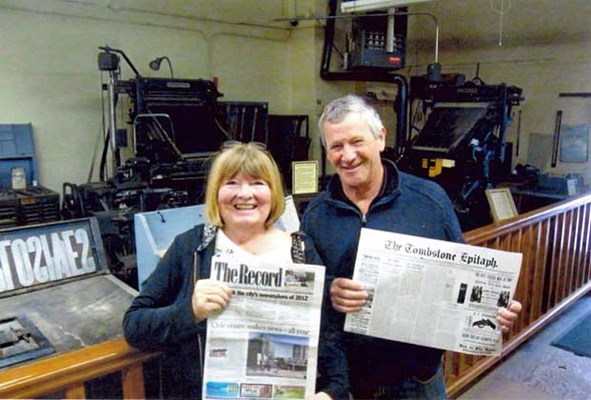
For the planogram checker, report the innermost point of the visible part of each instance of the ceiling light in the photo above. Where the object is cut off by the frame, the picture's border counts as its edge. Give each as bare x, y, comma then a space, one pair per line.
371, 5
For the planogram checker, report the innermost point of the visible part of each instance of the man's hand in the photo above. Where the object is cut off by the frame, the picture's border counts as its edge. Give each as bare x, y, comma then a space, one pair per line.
347, 295
209, 296
507, 317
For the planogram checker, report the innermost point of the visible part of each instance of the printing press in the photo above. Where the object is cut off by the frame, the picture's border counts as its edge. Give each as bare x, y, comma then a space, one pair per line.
57, 296
173, 128
461, 141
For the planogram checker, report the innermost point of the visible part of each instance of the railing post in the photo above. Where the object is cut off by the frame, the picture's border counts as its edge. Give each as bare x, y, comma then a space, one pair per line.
75, 391
133, 382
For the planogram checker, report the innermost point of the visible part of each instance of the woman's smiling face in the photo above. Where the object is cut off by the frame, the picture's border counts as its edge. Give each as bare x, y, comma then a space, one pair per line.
244, 201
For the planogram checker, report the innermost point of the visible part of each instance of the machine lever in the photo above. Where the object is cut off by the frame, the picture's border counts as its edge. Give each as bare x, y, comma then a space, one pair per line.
556, 138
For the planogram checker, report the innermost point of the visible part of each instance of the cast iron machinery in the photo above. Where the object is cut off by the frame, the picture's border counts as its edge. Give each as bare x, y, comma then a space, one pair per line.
172, 131
458, 139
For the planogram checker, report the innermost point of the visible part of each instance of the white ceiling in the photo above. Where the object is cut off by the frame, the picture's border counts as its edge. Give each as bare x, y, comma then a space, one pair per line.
524, 22
466, 23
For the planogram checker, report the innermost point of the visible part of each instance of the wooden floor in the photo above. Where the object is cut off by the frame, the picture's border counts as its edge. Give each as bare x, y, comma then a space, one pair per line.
538, 370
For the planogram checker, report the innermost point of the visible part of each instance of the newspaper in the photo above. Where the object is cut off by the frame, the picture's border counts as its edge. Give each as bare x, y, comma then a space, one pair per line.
433, 293
265, 343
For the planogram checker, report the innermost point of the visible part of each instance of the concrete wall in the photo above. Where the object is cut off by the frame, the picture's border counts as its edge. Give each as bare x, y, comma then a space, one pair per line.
50, 76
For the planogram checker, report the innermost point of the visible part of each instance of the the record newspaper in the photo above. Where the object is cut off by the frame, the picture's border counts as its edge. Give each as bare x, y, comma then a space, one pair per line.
433, 293
265, 343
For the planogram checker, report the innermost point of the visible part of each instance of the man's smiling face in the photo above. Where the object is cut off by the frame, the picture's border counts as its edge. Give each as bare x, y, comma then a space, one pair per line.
354, 151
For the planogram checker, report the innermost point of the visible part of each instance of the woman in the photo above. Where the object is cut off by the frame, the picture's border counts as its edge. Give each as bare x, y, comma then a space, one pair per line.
244, 198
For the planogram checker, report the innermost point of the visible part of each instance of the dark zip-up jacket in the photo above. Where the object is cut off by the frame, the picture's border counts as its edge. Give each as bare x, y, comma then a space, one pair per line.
406, 204
161, 318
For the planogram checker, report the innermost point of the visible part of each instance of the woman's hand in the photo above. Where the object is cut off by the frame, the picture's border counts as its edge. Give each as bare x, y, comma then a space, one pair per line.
209, 296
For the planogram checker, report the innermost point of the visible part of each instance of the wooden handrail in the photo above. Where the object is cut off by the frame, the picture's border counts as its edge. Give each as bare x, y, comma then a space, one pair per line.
483, 234
70, 370
556, 271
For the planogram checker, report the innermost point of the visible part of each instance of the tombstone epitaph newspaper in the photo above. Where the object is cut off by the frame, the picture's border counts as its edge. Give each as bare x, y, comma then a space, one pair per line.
433, 293
265, 343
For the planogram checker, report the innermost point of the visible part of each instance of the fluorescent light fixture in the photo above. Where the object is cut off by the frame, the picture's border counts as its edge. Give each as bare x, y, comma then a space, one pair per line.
371, 5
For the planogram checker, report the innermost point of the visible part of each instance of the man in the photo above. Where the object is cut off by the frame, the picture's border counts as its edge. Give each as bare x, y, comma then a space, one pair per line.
260, 361
368, 191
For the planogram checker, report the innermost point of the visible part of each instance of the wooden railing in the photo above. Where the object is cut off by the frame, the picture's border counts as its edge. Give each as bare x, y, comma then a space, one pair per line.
67, 372
556, 271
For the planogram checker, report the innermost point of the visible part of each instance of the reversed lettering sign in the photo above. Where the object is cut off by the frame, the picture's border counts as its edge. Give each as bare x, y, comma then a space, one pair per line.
30, 257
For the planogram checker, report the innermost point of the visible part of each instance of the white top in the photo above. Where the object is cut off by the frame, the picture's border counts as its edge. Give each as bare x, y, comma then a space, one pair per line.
280, 254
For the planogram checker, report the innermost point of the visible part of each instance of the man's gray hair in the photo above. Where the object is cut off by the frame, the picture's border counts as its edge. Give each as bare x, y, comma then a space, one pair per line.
338, 109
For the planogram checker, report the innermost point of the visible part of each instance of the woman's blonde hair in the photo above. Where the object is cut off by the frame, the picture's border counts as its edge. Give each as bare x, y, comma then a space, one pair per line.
250, 159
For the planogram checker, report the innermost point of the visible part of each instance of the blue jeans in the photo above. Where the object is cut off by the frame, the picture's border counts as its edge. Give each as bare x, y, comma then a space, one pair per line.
413, 388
